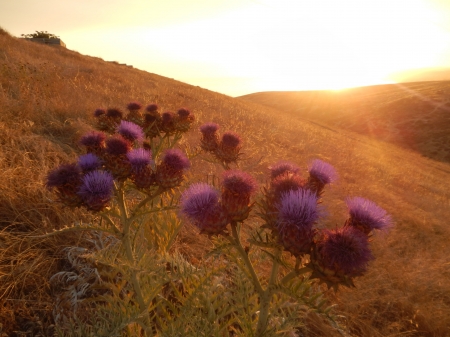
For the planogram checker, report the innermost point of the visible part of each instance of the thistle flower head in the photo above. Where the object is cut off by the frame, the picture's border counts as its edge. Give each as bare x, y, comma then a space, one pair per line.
167, 117
114, 113
345, 250
93, 139
238, 182
183, 113
89, 162
96, 189
366, 215
117, 145
99, 112
134, 106
231, 139
198, 200
151, 107
209, 129
322, 171
286, 182
130, 131
176, 160
281, 168
298, 208
66, 174
139, 158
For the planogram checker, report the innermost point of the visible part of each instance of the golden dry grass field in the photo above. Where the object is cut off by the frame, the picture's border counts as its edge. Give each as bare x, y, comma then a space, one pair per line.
413, 115
47, 98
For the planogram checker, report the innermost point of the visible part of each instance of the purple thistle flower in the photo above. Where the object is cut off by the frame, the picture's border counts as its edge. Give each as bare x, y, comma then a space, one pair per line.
130, 131
139, 158
209, 129
114, 113
183, 113
345, 250
93, 139
367, 216
64, 175
231, 139
89, 162
198, 200
117, 145
151, 107
281, 168
200, 204
99, 112
322, 171
238, 182
176, 160
134, 106
298, 208
96, 189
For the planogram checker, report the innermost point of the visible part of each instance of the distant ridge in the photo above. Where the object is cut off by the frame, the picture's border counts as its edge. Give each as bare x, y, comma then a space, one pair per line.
413, 115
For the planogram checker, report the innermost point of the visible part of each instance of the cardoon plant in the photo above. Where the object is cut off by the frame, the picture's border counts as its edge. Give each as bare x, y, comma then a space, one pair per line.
130, 180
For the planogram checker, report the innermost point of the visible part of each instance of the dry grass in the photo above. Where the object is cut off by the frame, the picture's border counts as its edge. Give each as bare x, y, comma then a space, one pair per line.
413, 115
47, 96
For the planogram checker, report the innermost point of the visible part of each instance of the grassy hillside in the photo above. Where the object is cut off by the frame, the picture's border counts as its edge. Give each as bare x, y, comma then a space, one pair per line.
47, 98
412, 115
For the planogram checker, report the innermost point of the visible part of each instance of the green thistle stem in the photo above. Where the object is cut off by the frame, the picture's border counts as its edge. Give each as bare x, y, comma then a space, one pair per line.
266, 297
126, 223
244, 255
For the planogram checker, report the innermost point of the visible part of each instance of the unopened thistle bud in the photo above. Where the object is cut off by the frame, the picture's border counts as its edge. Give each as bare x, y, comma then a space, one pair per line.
66, 179
89, 162
210, 139
367, 216
130, 131
135, 115
96, 190
237, 188
141, 170
297, 213
168, 122
229, 147
151, 108
320, 174
339, 255
170, 172
200, 204
116, 160
133, 106
284, 183
282, 167
183, 120
99, 112
109, 121
152, 123
94, 142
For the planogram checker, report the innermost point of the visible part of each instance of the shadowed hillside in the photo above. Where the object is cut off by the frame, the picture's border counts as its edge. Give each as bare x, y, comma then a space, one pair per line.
47, 98
412, 115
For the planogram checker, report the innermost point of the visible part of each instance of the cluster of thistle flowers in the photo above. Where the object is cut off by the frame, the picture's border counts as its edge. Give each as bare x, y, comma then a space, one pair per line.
290, 209
151, 120
89, 182
226, 149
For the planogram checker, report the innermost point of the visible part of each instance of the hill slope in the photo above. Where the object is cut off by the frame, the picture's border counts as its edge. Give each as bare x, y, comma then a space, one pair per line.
412, 115
47, 97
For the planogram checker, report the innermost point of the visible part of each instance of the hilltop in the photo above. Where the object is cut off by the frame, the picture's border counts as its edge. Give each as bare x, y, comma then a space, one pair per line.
412, 115
47, 99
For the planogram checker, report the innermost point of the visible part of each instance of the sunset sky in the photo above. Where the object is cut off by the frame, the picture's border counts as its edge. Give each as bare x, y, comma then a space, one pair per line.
238, 47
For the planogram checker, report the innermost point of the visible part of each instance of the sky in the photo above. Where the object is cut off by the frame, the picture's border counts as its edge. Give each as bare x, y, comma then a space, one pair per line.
238, 47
